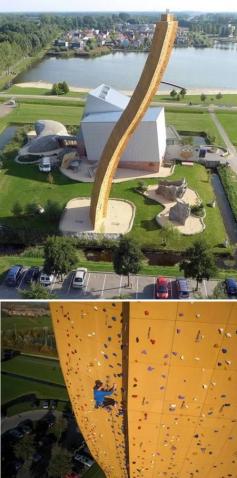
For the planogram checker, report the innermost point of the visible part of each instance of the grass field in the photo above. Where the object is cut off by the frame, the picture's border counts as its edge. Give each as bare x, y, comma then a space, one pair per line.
18, 90
229, 123
13, 387
24, 323
33, 186
41, 368
26, 184
227, 100
29, 113
194, 121
94, 472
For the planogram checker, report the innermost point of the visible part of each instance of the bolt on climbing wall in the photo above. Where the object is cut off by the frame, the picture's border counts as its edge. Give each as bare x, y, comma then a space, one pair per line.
89, 342
182, 390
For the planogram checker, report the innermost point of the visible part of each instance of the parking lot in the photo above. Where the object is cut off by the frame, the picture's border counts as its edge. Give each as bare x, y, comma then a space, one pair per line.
102, 286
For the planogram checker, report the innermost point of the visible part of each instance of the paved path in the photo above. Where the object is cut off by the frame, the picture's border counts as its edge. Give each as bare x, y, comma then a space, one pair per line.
232, 158
11, 422
226, 212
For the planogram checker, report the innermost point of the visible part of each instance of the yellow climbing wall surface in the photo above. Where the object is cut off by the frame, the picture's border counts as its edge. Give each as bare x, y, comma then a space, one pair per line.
175, 366
89, 341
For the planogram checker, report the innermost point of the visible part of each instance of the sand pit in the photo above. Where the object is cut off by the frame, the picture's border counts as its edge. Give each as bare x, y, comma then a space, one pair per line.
193, 225
76, 220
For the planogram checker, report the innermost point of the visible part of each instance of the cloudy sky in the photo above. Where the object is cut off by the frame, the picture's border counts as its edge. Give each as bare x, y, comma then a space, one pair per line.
117, 5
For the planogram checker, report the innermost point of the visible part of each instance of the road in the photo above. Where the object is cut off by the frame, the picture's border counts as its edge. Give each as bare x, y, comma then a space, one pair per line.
108, 286
232, 158
11, 422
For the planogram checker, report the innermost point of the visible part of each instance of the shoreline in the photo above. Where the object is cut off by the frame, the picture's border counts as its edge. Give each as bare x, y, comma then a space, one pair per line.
78, 89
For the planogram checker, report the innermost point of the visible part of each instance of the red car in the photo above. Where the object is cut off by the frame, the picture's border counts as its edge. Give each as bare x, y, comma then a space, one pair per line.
162, 288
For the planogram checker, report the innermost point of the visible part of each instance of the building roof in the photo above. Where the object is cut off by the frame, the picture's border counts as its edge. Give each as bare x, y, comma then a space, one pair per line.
112, 117
110, 95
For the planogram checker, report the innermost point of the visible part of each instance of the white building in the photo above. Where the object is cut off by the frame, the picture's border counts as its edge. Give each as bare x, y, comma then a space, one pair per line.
146, 149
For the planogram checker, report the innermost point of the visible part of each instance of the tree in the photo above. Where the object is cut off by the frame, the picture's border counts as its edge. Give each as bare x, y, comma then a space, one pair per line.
37, 291
173, 94
59, 255
55, 89
53, 210
219, 96
17, 209
203, 97
127, 258
31, 209
60, 463
183, 92
199, 263
25, 447
65, 87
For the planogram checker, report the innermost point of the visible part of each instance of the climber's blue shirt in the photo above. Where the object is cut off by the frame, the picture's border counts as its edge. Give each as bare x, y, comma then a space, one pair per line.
99, 396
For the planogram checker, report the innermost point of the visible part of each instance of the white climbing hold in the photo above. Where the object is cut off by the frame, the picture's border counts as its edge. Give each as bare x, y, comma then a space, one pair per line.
196, 358
204, 385
220, 330
181, 357
228, 334
172, 406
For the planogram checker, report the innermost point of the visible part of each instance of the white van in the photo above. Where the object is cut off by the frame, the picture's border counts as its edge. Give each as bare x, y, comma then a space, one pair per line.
45, 165
79, 278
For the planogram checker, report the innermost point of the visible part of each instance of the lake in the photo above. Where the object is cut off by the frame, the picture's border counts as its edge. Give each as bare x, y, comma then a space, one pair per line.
189, 67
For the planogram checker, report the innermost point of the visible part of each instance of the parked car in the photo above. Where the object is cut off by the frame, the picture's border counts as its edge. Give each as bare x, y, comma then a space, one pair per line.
26, 426
45, 165
45, 404
162, 288
32, 275
46, 279
231, 286
16, 433
79, 278
14, 275
182, 288
83, 459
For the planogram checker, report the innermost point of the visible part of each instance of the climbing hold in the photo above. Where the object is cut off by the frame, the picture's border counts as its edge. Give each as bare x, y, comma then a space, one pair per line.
228, 362
204, 386
150, 369
224, 351
220, 330
152, 341
196, 358
146, 312
172, 407
144, 352
181, 357
228, 335
137, 339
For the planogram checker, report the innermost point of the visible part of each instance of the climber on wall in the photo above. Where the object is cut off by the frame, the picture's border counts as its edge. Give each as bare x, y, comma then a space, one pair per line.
101, 396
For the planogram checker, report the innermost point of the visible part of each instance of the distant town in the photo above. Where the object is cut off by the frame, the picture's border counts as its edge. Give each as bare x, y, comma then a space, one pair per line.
95, 36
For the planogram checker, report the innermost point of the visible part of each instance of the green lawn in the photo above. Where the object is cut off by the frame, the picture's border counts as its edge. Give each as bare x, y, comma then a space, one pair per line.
29, 113
41, 368
229, 123
94, 472
19, 90
13, 387
25, 183
194, 121
25, 323
227, 100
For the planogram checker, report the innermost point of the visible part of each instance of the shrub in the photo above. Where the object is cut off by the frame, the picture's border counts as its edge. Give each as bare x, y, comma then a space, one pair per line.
229, 182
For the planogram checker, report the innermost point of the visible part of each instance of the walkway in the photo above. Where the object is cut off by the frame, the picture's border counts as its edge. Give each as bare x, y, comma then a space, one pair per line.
34, 415
232, 158
226, 212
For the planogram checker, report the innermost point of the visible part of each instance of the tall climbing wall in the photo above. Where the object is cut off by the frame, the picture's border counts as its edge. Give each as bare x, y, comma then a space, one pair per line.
89, 342
175, 366
182, 390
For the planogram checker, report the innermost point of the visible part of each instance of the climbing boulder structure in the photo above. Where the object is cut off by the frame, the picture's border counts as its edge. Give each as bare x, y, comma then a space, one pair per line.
175, 368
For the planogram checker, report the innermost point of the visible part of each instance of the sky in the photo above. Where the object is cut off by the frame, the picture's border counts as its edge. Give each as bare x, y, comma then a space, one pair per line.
116, 5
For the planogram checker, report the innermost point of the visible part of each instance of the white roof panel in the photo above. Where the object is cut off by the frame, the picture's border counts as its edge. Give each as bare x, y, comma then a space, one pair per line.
112, 117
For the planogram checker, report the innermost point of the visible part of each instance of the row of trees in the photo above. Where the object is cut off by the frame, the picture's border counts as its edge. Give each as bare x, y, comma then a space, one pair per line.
20, 38
60, 257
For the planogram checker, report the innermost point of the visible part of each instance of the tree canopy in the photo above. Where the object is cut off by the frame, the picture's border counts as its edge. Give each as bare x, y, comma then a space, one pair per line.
127, 258
199, 263
59, 255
